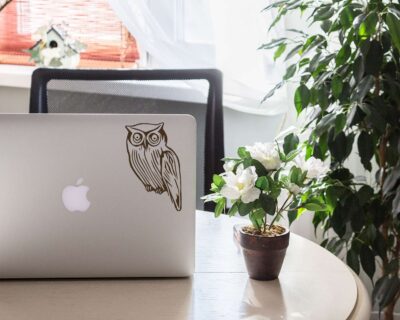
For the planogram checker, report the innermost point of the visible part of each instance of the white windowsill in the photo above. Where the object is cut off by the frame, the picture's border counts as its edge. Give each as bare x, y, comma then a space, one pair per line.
20, 77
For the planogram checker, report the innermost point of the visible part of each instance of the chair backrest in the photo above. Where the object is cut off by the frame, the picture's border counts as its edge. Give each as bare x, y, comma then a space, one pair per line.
210, 150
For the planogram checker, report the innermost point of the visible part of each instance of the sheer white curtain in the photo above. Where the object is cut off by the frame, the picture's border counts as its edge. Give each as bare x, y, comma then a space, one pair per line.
209, 34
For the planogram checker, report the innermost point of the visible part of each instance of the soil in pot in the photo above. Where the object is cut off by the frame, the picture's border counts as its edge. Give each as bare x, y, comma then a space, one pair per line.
263, 253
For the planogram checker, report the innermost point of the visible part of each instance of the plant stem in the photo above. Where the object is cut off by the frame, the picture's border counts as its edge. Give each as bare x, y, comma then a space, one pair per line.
265, 223
278, 214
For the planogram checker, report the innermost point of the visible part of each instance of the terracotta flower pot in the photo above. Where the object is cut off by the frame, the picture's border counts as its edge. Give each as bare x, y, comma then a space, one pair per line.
263, 255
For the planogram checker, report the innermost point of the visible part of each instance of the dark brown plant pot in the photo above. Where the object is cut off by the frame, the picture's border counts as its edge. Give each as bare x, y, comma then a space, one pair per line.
263, 255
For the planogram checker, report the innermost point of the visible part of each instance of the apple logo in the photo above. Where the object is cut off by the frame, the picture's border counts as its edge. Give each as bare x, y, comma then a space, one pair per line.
74, 198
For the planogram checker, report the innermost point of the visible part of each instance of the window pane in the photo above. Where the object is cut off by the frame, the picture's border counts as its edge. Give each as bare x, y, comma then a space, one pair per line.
93, 22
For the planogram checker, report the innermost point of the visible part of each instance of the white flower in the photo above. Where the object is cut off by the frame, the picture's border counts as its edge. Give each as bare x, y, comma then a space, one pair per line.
229, 165
241, 185
293, 188
49, 54
315, 168
266, 153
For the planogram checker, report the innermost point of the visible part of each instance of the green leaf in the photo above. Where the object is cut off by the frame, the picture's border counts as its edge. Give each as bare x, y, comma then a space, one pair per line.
352, 260
296, 176
312, 42
385, 290
355, 116
218, 181
343, 54
368, 26
323, 97
268, 203
358, 68
393, 24
314, 206
262, 183
273, 43
290, 71
272, 91
324, 13
374, 58
260, 169
337, 222
379, 245
325, 123
278, 17
340, 146
346, 17
233, 210
366, 148
391, 180
290, 143
367, 258
292, 216
370, 233
245, 208
340, 123
326, 25
278, 52
243, 153
358, 20
364, 87
295, 50
220, 206
337, 86
301, 98
291, 155
335, 246
365, 194
341, 174
257, 218
333, 194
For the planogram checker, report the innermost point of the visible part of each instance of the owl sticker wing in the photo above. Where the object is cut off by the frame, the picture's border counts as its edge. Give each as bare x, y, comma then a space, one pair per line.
171, 175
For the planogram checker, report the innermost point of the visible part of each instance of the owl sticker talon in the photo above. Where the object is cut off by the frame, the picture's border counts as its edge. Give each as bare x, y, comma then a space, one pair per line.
153, 162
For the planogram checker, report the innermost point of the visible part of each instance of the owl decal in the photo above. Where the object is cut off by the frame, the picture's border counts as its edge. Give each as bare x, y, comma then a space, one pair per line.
153, 162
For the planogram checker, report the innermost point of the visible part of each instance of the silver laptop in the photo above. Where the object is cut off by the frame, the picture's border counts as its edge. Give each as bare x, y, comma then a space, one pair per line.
97, 195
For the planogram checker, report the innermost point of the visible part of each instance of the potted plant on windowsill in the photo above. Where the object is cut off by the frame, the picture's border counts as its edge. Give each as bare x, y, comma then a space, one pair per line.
253, 184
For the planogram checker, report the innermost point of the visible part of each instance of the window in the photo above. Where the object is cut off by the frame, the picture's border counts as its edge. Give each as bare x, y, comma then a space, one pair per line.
93, 22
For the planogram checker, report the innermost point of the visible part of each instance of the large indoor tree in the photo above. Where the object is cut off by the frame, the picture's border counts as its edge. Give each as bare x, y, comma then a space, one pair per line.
348, 86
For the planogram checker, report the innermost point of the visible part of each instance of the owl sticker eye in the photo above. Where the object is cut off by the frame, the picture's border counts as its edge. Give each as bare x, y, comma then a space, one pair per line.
153, 138
137, 138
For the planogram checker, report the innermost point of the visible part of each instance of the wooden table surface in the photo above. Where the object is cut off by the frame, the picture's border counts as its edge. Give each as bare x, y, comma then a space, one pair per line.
313, 284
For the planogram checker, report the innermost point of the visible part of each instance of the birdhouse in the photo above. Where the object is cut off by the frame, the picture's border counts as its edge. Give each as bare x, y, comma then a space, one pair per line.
54, 40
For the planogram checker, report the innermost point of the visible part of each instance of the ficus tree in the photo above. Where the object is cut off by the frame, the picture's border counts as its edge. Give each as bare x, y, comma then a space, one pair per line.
348, 86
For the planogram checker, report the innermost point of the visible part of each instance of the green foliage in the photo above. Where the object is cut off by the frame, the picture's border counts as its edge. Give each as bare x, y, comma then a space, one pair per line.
349, 76
251, 188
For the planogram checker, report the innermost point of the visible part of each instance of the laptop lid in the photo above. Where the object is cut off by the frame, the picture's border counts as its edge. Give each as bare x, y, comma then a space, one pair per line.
97, 195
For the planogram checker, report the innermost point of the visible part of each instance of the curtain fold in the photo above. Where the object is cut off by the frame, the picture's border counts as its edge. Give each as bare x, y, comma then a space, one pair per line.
209, 34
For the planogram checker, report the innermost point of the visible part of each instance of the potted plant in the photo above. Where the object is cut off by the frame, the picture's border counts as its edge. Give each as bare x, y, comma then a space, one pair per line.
251, 186
348, 73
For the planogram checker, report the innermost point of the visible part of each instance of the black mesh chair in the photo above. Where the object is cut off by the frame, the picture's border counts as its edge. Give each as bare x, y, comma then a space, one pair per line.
117, 91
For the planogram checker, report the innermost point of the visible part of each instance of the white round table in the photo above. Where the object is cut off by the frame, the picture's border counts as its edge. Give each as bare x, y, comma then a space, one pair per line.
313, 284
